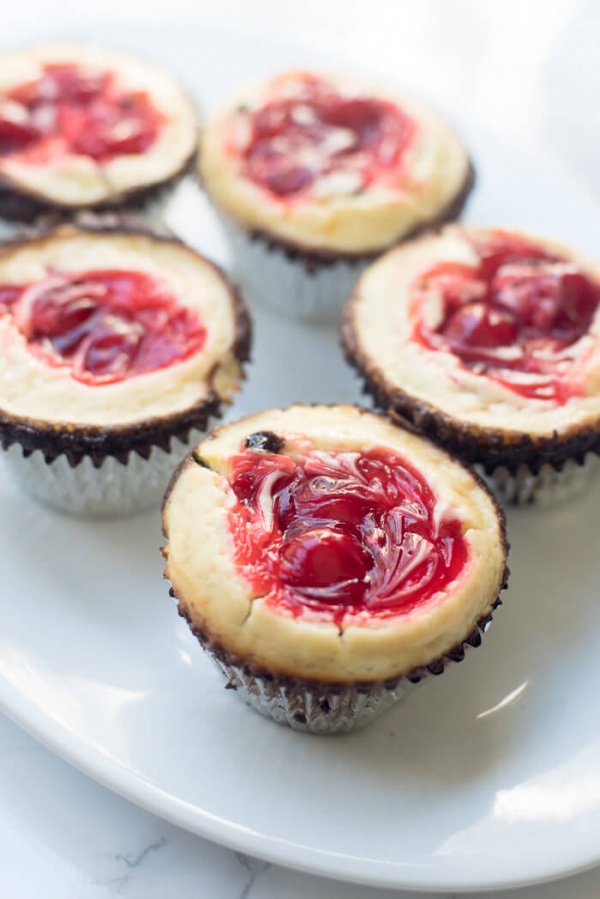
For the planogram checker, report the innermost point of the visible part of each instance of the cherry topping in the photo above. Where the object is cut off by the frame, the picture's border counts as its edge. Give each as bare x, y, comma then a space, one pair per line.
105, 325
294, 140
517, 312
72, 109
345, 534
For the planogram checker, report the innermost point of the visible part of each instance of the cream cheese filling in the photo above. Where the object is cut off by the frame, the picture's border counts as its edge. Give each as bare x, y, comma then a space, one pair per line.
383, 325
76, 180
210, 588
31, 389
333, 216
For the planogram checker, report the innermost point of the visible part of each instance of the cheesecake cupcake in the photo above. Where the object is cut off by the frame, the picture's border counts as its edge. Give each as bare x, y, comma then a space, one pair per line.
487, 341
328, 560
83, 127
315, 174
119, 347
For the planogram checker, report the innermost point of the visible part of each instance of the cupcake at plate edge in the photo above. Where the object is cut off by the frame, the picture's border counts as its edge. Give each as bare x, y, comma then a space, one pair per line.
487, 341
315, 174
327, 560
82, 127
120, 348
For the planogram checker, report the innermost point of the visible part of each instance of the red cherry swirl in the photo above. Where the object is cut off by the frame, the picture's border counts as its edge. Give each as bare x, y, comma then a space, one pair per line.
104, 325
295, 140
345, 534
72, 109
515, 317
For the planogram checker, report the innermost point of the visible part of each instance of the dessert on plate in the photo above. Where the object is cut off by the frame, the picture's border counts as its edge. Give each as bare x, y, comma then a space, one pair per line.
118, 347
315, 174
83, 127
487, 341
327, 559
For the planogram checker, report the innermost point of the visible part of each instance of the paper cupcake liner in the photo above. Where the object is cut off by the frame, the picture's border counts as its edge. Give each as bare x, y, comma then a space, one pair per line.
548, 486
292, 284
113, 488
325, 708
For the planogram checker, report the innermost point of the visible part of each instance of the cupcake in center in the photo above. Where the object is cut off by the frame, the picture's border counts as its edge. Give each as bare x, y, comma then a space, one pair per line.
314, 174
327, 560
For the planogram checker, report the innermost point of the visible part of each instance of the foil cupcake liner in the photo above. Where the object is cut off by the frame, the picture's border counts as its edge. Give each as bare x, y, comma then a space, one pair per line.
111, 489
548, 486
325, 708
290, 283
313, 708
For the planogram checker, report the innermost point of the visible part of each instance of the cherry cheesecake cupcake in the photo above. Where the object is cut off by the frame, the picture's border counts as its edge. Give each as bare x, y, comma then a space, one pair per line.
314, 175
119, 347
487, 341
327, 560
87, 128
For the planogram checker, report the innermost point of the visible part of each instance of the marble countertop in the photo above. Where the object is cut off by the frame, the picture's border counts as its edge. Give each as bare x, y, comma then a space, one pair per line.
64, 837
526, 71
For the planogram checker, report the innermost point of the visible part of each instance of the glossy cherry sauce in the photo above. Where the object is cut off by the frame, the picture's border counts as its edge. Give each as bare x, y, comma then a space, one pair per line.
514, 314
345, 534
74, 109
363, 135
104, 325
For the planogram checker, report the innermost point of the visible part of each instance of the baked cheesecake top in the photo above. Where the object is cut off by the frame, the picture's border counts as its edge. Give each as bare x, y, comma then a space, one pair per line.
325, 543
331, 162
498, 328
113, 328
80, 125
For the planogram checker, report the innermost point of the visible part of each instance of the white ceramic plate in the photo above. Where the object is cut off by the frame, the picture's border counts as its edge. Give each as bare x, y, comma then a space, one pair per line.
485, 778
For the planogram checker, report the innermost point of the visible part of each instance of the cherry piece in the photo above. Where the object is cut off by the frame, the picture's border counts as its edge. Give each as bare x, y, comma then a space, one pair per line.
342, 533
294, 141
104, 325
517, 311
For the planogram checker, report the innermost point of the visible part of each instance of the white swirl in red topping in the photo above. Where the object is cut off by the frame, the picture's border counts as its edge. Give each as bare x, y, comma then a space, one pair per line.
342, 533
